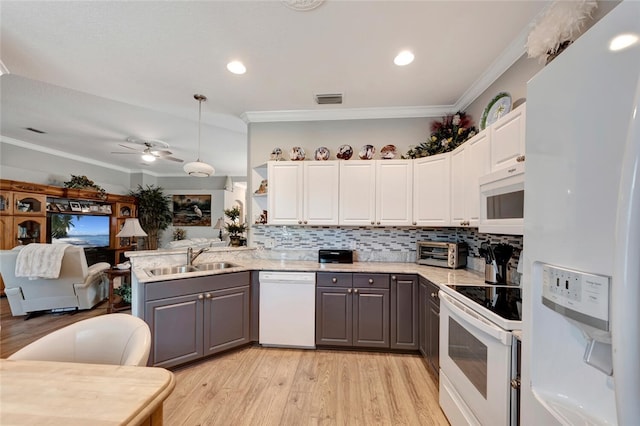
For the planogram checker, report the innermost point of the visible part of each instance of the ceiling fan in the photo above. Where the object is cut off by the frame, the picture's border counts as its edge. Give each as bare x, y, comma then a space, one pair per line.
149, 149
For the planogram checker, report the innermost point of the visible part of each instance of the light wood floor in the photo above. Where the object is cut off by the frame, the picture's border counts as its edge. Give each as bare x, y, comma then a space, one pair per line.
268, 386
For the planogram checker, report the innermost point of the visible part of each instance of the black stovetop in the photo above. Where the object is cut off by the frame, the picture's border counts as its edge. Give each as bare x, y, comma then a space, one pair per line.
500, 299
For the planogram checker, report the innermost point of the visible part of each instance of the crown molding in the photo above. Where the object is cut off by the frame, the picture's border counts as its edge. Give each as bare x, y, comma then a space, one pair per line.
347, 114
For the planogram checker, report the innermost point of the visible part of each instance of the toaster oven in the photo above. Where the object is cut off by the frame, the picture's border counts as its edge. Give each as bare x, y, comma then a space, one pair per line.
446, 255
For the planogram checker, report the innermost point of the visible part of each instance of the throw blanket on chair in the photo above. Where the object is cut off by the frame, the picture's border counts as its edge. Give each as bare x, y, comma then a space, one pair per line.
40, 260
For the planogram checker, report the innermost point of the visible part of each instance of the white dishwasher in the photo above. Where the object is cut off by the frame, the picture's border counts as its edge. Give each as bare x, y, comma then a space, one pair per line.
288, 309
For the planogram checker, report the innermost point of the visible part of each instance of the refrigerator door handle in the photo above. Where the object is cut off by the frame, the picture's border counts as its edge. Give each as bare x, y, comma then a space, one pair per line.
625, 292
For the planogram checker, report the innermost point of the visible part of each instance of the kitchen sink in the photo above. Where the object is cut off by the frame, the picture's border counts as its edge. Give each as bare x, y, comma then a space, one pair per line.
215, 266
173, 270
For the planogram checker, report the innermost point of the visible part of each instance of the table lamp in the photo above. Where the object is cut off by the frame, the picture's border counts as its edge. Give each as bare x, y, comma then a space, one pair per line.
220, 226
131, 229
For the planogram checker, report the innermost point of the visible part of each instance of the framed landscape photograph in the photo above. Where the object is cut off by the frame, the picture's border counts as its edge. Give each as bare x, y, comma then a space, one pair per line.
192, 210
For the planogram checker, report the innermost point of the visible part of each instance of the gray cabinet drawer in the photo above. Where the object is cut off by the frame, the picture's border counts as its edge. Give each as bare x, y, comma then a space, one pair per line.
334, 279
371, 280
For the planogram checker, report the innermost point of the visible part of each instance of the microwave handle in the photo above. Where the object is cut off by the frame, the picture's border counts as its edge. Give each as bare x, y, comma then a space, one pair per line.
461, 312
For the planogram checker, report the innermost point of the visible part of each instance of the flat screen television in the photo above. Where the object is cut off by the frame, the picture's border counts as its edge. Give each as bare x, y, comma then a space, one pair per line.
79, 230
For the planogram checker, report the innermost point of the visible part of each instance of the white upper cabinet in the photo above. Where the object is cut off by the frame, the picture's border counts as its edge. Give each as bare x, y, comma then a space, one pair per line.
303, 193
377, 192
357, 193
394, 192
320, 188
468, 162
508, 139
285, 192
431, 190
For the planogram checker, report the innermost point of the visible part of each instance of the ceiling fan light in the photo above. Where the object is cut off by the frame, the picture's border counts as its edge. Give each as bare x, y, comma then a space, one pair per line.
198, 169
149, 158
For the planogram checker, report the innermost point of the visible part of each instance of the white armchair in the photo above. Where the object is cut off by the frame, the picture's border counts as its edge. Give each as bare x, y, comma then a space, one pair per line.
117, 339
78, 286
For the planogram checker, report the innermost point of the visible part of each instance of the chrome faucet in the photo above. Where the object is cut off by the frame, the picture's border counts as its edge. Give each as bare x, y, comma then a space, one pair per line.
191, 257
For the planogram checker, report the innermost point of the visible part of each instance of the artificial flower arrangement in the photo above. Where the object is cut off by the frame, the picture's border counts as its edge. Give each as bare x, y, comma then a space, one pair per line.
445, 136
560, 26
179, 234
83, 182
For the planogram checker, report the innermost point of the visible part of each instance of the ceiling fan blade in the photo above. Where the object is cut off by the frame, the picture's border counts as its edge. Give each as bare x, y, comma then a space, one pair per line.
160, 153
166, 157
128, 147
120, 152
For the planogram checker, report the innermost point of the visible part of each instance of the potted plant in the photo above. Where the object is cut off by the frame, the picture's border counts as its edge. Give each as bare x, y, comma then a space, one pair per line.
234, 227
154, 213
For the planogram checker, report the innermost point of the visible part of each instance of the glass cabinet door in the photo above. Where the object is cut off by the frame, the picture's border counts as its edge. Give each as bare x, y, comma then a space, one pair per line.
29, 204
6, 203
29, 229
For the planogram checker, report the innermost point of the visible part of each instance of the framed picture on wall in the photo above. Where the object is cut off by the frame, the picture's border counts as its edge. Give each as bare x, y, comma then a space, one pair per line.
192, 210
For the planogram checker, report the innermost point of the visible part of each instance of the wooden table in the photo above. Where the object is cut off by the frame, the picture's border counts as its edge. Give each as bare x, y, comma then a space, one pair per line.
113, 273
71, 394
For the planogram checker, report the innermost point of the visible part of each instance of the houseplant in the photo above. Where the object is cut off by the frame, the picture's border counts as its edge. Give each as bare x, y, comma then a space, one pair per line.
154, 213
234, 227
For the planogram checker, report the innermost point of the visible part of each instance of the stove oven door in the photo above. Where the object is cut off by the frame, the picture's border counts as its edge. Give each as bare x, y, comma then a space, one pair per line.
475, 366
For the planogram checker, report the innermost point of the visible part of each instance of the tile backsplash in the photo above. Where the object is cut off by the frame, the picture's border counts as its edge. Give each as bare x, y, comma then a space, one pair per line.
383, 244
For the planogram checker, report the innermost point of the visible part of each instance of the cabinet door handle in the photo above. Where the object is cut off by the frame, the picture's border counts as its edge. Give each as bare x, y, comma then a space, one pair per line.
373, 223
433, 295
378, 222
200, 297
299, 222
520, 158
334, 280
305, 222
208, 295
355, 290
393, 277
415, 223
348, 290
370, 280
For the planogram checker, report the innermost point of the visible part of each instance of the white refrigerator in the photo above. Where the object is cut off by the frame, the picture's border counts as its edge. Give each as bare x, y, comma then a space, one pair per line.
581, 282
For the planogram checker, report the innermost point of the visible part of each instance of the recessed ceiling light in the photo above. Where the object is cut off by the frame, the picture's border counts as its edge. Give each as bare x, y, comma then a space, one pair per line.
236, 67
623, 41
404, 58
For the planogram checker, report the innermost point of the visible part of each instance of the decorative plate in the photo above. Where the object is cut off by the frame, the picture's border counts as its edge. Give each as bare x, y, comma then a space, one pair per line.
388, 152
297, 153
498, 106
276, 154
367, 152
322, 153
344, 152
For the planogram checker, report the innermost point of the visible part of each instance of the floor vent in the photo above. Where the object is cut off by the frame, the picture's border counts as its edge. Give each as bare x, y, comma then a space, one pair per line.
327, 99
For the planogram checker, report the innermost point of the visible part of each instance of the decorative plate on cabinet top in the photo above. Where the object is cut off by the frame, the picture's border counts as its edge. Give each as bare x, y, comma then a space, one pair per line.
367, 152
297, 153
388, 152
276, 154
497, 107
344, 152
322, 153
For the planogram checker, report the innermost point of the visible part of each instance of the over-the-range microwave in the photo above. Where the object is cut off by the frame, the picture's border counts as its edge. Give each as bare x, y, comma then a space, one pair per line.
502, 201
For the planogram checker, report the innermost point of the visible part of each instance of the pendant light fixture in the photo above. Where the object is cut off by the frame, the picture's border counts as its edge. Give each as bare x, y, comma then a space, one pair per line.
198, 168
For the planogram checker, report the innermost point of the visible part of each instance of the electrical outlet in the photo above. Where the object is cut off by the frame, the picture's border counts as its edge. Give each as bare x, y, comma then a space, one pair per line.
353, 245
269, 243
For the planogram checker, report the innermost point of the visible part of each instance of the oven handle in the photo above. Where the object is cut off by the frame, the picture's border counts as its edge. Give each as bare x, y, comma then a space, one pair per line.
459, 311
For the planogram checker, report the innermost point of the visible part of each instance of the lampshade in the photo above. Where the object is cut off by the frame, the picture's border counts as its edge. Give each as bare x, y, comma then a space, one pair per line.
131, 228
228, 184
198, 168
219, 224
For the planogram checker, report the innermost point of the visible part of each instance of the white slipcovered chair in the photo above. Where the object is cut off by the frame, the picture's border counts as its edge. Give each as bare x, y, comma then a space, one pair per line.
78, 286
117, 339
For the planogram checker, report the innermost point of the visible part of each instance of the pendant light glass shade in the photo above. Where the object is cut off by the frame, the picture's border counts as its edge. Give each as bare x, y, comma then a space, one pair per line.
198, 168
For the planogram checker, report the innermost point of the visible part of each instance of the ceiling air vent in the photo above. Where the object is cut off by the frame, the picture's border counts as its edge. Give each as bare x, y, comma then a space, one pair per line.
329, 98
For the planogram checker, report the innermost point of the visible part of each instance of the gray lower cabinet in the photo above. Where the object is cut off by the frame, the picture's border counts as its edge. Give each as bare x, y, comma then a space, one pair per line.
194, 317
429, 319
352, 310
404, 312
